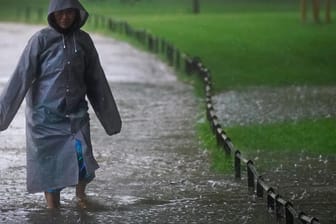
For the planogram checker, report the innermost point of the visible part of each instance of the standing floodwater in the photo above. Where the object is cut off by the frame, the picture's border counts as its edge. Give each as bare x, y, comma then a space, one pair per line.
153, 172
307, 179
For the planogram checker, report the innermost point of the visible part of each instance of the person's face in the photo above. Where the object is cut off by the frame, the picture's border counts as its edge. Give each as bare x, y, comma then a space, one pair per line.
65, 18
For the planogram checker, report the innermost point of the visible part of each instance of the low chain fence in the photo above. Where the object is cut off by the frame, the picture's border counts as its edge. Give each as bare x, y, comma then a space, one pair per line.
275, 203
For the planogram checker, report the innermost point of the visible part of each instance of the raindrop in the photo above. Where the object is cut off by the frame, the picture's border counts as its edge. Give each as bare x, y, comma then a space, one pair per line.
303, 194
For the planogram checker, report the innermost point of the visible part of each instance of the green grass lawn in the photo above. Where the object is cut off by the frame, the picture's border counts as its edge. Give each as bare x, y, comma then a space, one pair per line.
310, 135
243, 43
275, 49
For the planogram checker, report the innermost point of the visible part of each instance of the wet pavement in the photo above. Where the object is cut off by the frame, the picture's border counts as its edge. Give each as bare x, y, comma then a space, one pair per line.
153, 172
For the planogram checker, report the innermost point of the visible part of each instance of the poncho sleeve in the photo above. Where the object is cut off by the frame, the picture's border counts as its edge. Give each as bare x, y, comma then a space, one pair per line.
19, 83
99, 93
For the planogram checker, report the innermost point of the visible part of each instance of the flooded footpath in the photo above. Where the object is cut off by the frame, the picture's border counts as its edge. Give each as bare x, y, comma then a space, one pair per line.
307, 180
154, 171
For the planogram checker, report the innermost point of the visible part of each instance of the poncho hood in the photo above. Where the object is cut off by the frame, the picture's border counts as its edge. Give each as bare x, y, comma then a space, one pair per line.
58, 5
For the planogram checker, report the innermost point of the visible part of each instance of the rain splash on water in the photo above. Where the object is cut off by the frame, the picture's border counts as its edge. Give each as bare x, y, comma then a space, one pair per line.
307, 179
154, 171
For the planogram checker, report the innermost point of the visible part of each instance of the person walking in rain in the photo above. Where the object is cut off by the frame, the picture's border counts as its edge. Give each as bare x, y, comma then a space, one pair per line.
57, 70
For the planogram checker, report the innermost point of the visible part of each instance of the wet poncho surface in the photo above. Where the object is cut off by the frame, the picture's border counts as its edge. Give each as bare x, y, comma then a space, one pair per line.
57, 72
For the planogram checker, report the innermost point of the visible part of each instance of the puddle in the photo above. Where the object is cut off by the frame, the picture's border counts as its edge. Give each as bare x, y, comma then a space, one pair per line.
306, 179
267, 105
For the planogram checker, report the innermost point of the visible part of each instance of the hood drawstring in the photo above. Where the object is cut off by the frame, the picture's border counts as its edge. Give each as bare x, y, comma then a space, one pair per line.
74, 41
63, 41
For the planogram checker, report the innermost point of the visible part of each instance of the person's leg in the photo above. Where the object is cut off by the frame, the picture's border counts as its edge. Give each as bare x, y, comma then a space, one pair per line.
80, 189
83, 176
81, 195
53, 199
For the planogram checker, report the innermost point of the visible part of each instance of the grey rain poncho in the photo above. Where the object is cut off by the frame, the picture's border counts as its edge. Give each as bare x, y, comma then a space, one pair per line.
56, 71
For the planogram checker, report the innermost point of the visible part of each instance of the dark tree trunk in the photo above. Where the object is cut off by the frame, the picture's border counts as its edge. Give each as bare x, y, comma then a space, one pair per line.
196, 6
328, 14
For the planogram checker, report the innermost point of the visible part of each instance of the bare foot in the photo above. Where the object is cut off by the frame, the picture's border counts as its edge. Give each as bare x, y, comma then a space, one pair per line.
82, 202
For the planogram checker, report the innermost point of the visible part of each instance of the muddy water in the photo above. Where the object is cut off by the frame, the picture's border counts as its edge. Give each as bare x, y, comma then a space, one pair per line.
153, 172
306, 179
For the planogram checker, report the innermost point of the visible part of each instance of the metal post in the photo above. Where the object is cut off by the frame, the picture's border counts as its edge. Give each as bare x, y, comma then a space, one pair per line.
178, 59
163, 46
278, 207
170, 54
219, 139
214, 124
155, 41
288, 214
250, 175
270, 199
237, 165
187, 62
260, 189
150, 43
227, 145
